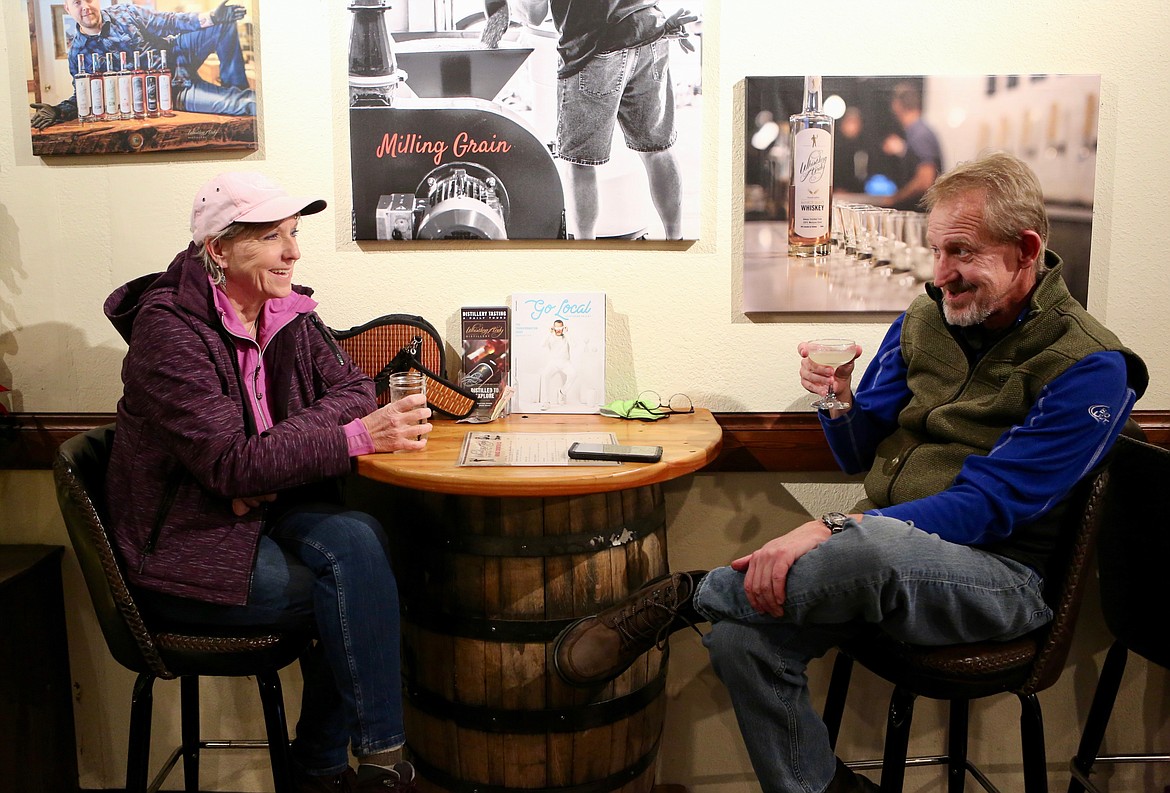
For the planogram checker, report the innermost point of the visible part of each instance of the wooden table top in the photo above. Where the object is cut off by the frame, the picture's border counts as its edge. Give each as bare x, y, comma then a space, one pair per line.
688, 441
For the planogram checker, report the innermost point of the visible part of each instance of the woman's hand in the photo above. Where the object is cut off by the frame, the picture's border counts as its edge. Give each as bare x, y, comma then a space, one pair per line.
242, 506
401, 425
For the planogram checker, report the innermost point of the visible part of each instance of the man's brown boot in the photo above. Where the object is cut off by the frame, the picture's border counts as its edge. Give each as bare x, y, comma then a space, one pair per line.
597, 649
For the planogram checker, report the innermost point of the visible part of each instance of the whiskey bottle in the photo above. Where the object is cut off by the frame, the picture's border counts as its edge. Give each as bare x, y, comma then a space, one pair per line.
81, 91
110, 89
811, 186
125, 89
165, 100
138, 86
97, 102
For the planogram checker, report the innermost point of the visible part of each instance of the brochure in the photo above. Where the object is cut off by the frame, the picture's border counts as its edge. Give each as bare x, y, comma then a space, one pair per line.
558, 352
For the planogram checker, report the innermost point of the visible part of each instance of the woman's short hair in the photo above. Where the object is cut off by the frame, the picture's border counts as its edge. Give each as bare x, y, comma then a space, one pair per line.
1013, 201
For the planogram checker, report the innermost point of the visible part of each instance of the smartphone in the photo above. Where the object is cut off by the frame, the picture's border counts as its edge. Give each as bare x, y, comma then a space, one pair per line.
610, 451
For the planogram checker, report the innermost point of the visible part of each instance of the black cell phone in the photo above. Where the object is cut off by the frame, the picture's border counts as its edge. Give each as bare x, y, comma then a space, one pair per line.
612, 451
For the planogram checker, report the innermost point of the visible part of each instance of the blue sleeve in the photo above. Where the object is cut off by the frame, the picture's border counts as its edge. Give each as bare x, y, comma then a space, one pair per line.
878, 399
1034, 464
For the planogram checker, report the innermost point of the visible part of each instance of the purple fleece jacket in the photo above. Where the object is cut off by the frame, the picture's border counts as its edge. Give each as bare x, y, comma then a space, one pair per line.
185, 444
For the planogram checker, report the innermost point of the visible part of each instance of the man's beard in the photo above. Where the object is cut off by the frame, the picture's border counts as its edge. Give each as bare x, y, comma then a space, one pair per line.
975, 313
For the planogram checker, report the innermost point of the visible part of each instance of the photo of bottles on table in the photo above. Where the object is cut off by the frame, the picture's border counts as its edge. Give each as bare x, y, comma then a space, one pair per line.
137, 89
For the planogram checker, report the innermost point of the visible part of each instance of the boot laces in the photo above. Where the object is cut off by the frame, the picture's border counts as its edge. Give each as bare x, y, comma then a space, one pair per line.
652, 618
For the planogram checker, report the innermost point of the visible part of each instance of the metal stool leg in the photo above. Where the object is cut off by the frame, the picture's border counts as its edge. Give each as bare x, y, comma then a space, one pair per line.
189, 699
835, 699
276, 725
138, 755
960, 711
1099, 713
1032, 738
897, 740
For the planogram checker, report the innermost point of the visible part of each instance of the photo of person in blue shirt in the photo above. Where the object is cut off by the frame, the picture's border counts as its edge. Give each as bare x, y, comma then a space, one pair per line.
187, 38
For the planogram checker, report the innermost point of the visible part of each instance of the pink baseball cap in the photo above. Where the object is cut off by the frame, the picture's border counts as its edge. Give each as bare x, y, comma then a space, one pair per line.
245, 198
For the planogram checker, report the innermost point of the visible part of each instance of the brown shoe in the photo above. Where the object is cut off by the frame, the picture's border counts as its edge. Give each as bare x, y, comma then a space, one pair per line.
597, 649
371, 778
307, 783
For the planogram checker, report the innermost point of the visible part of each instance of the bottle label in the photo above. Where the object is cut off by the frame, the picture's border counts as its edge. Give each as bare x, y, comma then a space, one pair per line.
96, 103
151, 93
164, 92
124, 96
110, 89
812, 181
139, 88
81, 92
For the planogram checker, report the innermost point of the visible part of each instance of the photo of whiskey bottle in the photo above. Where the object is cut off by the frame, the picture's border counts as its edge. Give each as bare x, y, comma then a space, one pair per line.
151, 89
164, 85
81, 91
810, 189
97, 102
138, 87
125, 90
110, 89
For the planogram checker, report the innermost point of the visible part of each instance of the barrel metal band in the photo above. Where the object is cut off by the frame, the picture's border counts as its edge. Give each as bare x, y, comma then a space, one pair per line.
482, 629
634, 528
605, 785
535, 722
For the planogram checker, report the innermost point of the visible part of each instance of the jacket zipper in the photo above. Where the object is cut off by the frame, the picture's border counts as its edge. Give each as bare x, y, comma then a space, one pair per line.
164, 509
328, 338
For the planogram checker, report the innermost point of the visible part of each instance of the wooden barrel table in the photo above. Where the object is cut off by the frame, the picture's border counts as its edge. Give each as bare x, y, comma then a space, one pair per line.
492, 563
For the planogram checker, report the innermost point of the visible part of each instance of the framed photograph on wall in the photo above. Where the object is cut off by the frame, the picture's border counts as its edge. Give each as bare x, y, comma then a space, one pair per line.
126, 77
457, 132
892, 137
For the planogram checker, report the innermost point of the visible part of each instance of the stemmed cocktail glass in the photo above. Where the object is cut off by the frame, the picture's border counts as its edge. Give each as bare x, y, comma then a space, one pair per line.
831, 352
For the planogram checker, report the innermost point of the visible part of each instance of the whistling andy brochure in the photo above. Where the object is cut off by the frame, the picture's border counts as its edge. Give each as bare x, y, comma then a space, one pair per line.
558, 352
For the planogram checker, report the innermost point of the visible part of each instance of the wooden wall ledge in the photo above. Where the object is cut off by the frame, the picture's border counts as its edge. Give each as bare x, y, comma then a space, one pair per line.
751, 441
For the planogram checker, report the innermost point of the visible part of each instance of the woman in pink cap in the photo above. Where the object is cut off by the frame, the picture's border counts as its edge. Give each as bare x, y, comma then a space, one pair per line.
239, 414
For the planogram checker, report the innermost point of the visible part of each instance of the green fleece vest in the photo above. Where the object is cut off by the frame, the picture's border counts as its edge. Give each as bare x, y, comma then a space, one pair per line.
962, 405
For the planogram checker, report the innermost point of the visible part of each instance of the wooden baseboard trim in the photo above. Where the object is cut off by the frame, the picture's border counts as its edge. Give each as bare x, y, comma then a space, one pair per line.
751, 441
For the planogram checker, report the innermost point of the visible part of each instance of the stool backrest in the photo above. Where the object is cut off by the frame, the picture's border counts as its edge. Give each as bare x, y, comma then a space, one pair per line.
1133, 555
79, 470
1070, 569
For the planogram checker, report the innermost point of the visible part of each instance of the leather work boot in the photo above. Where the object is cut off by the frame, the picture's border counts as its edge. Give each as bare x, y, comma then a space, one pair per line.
597, 649
846, 781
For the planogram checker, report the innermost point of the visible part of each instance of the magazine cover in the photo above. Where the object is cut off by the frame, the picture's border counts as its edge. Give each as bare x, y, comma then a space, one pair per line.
485, 352
558, 352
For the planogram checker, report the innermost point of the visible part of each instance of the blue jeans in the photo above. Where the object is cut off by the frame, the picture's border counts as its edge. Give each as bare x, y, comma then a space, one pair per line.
325, 566
879, 573
233, 96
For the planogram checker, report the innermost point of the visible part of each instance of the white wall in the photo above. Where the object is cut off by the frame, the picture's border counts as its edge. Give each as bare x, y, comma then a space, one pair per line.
72, 229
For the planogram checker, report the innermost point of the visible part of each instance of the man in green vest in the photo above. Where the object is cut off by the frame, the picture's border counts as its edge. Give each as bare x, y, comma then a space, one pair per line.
987, 401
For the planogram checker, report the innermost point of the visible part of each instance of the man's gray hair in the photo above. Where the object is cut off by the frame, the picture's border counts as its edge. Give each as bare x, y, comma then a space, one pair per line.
1013, 201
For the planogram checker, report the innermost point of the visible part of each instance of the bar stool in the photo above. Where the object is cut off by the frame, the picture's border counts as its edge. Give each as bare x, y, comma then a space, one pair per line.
165, 651
960, 673
1132, 554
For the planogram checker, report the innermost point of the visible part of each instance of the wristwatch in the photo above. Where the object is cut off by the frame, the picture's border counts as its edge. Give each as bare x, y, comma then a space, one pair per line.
835, 521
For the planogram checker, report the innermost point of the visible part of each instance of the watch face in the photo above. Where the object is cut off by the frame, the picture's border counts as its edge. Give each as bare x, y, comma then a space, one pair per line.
835, 520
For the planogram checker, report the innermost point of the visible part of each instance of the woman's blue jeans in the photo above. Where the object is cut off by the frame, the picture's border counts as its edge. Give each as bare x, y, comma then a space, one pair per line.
326, 566
879, 573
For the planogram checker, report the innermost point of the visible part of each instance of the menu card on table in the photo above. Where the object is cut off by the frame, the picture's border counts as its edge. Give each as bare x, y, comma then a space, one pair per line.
528, 448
